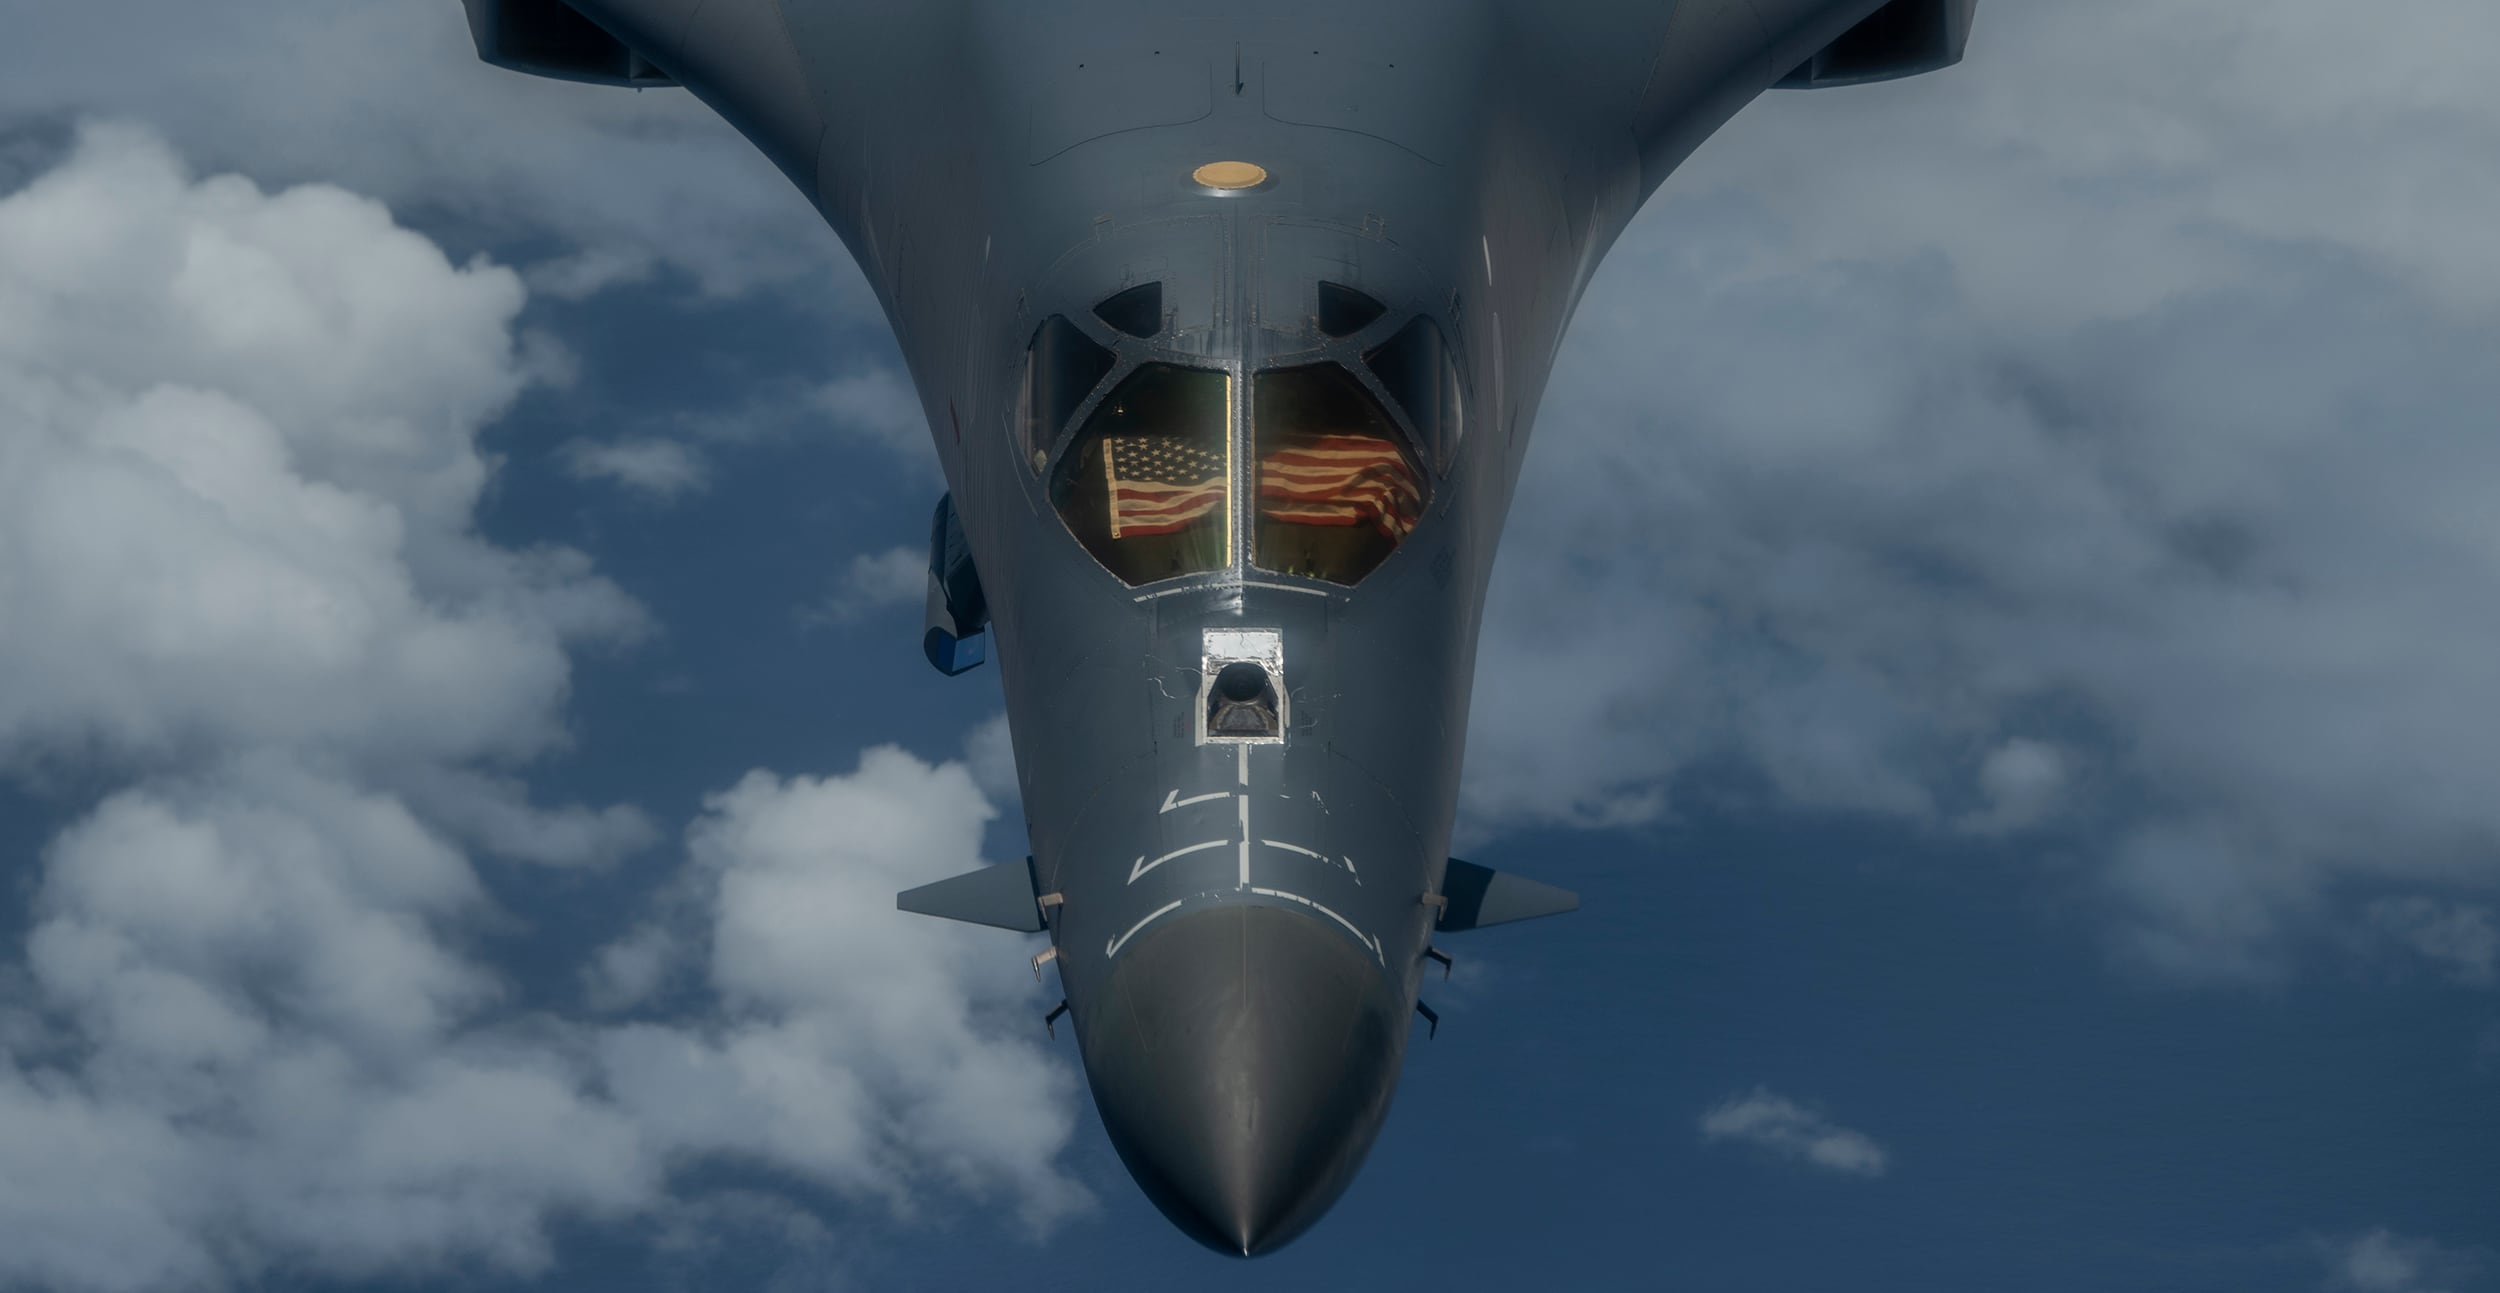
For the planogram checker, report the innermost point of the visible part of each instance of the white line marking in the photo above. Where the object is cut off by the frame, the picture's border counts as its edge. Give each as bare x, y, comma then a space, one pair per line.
1218, 583
1286, 588
1245, 764
1245, 841
1174, 800
1359, 936
1311, 853
1151, 917
1143, 866
1488, 260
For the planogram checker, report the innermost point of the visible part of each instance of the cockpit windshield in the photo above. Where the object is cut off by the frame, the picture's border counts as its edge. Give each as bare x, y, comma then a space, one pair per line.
1146, 483
1338, 489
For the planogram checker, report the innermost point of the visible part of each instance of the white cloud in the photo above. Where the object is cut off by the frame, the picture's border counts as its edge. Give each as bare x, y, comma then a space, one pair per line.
390, 100
634, 967
260, 968
1789, 1130
990, 751
877, 581
879, 405
661, 470
238, 475
2381, 1261
2021, 782
861, 1046
2458, 938
2044, 443
495, 814
287, 1059
590, 271
253, 1029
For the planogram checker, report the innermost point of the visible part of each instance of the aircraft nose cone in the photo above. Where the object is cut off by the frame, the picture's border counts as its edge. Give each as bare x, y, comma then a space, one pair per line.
1243, 1059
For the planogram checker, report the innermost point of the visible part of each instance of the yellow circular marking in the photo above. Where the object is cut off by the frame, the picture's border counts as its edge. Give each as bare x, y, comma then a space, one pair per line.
1230, 175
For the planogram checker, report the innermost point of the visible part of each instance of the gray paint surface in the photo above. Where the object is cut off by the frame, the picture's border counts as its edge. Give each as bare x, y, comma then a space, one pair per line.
1241, 930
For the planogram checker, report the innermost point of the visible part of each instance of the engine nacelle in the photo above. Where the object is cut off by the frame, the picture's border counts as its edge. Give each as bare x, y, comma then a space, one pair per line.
550, 38
1904, 38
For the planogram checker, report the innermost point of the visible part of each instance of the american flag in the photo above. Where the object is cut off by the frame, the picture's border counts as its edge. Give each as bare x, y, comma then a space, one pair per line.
1162, 484
1341, 480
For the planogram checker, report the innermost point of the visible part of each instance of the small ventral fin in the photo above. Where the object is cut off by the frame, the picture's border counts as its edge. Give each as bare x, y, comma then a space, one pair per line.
998, 896
1481, 896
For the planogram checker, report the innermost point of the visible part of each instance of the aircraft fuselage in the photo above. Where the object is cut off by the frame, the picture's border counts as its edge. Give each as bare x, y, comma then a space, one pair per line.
1233, 528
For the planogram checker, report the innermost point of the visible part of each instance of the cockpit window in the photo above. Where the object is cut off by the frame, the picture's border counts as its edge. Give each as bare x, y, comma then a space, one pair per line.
1146, 484
1344, 311
1137, 311
1414, 367
1059, 372
1338, 490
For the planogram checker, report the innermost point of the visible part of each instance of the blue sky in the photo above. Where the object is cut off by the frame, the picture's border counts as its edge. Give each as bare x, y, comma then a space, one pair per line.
1995, 627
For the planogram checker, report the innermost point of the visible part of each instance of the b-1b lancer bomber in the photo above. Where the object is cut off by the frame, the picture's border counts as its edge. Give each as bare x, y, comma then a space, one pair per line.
1230, 321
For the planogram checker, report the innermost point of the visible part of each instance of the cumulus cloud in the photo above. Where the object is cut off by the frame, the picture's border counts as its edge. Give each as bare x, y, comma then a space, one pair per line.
2458, 938
252, 1026
2020, 782
660, 470
495, 814
284, 1056
861, 1046
879, 405
877, 581
1784, 1128
586, 273
390, 100
2049, 443
239, 472
2381, 1261
990, 751
259, 969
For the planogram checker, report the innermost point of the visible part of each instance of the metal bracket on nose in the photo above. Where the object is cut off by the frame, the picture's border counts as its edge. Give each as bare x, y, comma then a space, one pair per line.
1440, 906
1048, 955
1432, 1020
1048, 901
1050, 1022
1436, 954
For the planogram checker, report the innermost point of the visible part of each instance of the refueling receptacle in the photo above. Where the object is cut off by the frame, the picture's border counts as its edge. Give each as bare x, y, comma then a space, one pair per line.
1241, 693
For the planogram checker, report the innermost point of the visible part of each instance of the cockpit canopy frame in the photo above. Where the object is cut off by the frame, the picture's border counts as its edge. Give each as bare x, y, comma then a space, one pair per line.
1313, 464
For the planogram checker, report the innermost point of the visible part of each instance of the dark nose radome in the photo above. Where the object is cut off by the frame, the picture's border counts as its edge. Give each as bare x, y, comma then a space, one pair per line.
1243, 1059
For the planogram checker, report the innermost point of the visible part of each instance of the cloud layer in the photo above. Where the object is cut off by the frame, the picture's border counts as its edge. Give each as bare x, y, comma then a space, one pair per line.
390, 100
258, 1022
2087, 445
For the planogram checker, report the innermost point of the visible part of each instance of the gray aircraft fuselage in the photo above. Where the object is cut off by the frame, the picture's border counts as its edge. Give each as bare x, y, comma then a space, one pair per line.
1233, 539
